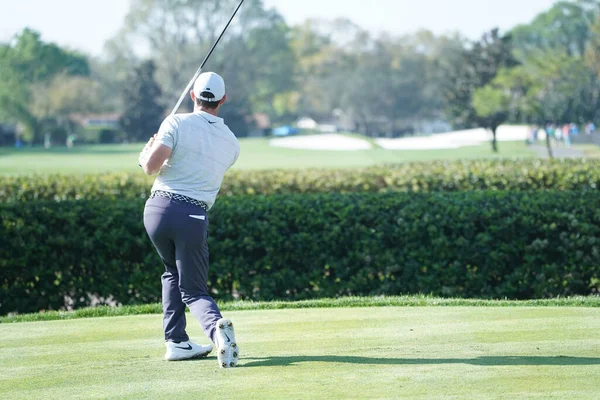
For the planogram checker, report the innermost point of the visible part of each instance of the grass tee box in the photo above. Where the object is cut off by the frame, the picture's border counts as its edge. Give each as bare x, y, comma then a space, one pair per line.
343, 353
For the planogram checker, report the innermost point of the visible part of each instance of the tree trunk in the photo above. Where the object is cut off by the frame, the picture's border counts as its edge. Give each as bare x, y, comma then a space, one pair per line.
494, 140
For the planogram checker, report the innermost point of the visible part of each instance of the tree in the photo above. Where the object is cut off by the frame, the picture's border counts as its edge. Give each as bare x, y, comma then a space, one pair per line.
514, 95
388, 87
57, 100
564, 29
254, 57
108, 78
143, 112
592, 62
555, 89
474, 69
324, 67
562, 45
384, 84
26, 65
491, 103
561, 52
14, 97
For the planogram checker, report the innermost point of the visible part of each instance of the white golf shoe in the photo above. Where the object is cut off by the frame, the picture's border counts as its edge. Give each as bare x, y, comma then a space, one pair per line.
186, 351
228, 352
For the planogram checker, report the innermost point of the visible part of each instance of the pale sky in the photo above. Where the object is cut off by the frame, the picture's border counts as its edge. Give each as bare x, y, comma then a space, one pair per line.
85, 24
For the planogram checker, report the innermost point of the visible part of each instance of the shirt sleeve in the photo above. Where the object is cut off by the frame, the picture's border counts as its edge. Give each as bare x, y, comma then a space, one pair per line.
167, 132
235, 159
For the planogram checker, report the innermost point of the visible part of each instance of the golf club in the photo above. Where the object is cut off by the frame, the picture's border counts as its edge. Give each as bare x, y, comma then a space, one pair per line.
197, 74
189, 86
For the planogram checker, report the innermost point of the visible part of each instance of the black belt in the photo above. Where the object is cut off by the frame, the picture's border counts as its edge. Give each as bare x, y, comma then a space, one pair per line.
180, 197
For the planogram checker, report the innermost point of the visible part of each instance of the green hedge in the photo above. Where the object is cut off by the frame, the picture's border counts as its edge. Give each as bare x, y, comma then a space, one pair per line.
525, 175
482, 245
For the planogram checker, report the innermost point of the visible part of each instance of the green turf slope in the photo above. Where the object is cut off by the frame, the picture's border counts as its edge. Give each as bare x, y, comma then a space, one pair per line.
339, 353
255, 154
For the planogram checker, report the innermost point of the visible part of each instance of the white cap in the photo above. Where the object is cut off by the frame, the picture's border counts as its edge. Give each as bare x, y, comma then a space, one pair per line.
211, 83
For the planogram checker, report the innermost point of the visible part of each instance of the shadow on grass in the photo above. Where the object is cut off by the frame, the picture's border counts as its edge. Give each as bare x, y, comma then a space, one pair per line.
481, 361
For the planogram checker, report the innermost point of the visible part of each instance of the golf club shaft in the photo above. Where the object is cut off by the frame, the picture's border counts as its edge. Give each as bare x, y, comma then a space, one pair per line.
189, 86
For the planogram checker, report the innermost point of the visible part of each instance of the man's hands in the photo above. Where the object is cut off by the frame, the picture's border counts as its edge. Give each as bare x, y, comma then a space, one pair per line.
150, 143
154, 156
143, 158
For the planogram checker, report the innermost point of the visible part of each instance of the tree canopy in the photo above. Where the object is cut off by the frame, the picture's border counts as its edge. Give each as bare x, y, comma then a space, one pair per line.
143, 112
377, 84
27, 64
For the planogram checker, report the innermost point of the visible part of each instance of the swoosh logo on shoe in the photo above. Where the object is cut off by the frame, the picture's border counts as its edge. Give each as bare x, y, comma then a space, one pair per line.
228, 340
189, 347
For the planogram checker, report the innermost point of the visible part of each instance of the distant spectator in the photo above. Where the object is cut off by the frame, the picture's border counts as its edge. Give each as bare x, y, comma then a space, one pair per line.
590, 128
558, 133
574, 129
533, 134
70, 139
566, 134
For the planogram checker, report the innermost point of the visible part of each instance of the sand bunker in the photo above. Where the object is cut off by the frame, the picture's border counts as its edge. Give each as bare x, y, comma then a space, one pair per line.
322, 142
455, 140
450, 140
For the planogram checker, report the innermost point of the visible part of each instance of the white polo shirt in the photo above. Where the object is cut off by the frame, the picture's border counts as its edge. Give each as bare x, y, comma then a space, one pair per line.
204, 148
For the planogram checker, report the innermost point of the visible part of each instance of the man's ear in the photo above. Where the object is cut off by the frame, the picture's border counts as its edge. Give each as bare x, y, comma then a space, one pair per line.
193, 96
223, 100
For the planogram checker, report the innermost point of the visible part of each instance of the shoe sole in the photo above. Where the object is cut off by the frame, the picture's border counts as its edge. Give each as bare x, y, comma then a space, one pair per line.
195, 357
228, 355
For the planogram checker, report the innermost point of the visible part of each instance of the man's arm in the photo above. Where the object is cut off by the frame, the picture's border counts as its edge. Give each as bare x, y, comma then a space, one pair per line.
160, 147
158, 154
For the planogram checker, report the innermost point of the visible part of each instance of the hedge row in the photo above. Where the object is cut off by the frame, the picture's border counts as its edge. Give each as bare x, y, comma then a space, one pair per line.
525, 175
474, 245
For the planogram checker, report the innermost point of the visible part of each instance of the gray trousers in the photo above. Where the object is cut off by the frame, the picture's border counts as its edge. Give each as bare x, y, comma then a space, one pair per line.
179, 232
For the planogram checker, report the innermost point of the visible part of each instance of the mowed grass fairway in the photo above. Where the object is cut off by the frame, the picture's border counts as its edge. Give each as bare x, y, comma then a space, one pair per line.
255, 154
343, 353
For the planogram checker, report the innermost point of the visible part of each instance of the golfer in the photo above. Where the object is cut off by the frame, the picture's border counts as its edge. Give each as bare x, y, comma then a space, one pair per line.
191, 154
